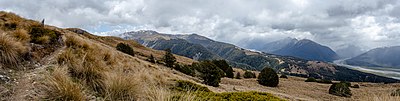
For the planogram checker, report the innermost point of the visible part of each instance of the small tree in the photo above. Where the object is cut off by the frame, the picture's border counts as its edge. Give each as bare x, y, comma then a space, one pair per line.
151, 59
249, 74
169, 58
125, 48
222, 64
238, 75
340, 89
268, 77
210, 73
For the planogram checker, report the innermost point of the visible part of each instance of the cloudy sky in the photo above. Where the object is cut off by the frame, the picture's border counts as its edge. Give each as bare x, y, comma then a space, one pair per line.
335, 23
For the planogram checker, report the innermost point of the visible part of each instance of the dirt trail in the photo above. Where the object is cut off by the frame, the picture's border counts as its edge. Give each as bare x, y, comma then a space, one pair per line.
28, 80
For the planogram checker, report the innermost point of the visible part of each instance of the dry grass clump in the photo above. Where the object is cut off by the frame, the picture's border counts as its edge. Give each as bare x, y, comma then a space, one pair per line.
76, 42
59, 86
9, 16
22, 35
383, 96
121, 86
85, 63
11, 51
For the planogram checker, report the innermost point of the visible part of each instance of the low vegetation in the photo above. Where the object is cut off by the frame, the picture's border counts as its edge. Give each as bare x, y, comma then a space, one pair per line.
283, 76
151, 59
42, 35
59, 86
169, 58
11, 51
125, 48
186, 69
311, 79
238, 96
203, 94
238, 76
223, 65
249, 74
395, 93
325, 81
85, 64
340, 89
211, 74
268, 77
182, 85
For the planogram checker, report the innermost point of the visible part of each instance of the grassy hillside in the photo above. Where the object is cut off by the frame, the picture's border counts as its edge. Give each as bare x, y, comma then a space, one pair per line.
42, 62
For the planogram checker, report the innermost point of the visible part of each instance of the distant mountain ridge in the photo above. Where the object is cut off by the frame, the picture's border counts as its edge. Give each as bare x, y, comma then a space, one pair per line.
348, 51
188, 45
305, 49
378, 57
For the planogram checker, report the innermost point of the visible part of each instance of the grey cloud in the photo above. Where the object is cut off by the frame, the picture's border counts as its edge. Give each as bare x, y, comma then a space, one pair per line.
243, 22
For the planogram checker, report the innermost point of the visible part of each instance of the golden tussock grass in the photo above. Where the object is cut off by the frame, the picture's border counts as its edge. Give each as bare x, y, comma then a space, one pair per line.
378, 94
43, 39
84, 62
59, 86
11, 51
121, 86
384, 96
10, 16
22, 35
76, 42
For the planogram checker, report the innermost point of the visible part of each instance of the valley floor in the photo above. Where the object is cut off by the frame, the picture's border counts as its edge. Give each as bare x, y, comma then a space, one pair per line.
294, 88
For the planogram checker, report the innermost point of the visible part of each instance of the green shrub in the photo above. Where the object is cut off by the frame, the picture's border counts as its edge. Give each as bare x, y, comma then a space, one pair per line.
42, 35
238, 75
186, 69
249, 74
340, 89
151, 59
210, 73
325, 81
125, 48
169, 58
182, 85
311, 79
283, 76
268, 77
346, 82
222, 64
395, 93
11, 25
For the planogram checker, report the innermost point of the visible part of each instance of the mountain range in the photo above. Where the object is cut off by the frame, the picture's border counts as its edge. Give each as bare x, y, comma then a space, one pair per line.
203, 48
378, 57
304, 48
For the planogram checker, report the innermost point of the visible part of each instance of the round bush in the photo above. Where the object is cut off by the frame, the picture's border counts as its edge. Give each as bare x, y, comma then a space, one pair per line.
125, 48
268, 77
249, 74
340, 89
